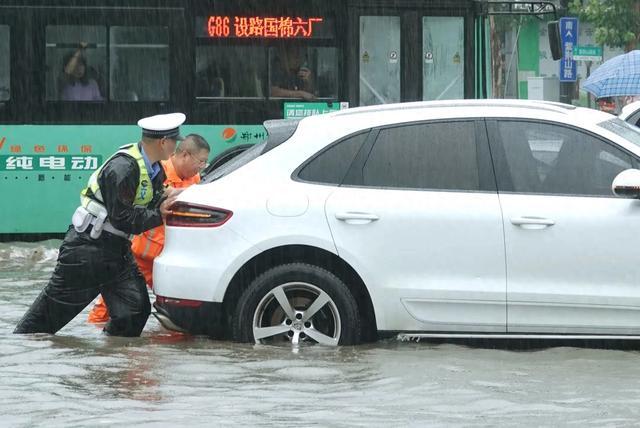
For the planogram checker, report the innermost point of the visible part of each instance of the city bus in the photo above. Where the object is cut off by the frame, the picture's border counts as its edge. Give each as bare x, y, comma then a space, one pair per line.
229, 65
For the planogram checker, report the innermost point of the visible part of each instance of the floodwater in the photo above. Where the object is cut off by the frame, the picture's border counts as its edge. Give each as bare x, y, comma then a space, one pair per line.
80, 377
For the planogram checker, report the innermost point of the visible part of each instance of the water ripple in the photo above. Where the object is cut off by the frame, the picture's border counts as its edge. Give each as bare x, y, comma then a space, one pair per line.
81, 377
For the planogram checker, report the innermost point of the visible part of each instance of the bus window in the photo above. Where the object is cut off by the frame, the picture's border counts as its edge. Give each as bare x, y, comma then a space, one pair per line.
5, 67
76, 62
303, 72
230, 72
239, 56
443, 53
379, 60
132, 52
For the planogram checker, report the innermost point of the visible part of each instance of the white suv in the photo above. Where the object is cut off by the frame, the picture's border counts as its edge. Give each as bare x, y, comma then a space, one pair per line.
474, 217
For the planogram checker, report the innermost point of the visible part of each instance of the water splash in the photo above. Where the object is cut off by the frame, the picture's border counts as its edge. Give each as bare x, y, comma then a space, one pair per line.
18, 253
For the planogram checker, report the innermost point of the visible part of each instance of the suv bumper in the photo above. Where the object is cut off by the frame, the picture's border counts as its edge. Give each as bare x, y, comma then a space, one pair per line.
192, 316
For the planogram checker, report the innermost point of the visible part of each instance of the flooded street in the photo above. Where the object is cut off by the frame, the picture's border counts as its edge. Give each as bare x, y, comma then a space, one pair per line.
82, 378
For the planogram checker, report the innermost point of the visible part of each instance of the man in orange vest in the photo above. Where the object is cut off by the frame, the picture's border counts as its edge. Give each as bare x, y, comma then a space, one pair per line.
182, 170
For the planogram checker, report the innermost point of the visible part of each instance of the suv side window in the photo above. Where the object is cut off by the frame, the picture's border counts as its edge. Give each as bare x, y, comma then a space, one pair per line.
553, 159
437, 155
331, 165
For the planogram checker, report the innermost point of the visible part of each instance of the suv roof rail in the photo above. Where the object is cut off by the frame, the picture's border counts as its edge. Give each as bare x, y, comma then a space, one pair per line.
536, 104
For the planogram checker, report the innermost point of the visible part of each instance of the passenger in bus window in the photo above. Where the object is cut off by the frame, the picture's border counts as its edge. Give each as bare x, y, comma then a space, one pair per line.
291, 76
209, 83
77, 83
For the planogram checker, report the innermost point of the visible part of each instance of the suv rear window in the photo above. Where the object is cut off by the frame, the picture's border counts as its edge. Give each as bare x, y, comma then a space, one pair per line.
331, 165
278, 132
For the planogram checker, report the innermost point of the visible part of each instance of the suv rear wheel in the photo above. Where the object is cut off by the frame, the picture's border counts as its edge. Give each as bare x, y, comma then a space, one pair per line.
296, 304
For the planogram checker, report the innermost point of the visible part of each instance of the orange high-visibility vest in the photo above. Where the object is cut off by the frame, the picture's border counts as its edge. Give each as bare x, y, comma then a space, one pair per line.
148, 245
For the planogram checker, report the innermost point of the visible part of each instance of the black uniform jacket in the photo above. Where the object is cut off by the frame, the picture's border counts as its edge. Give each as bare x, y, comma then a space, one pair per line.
118, 182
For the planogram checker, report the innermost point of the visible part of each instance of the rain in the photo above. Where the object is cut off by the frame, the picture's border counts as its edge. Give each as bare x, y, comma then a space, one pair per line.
224, 65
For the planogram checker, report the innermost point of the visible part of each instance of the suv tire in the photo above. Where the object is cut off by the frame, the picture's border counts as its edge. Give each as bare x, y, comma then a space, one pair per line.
276, 307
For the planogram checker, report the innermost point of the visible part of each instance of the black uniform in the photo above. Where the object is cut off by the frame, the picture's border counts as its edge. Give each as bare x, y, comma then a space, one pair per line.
87, 266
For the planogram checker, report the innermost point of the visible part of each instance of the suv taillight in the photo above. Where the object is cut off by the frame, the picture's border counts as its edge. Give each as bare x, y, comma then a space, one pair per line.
193, 215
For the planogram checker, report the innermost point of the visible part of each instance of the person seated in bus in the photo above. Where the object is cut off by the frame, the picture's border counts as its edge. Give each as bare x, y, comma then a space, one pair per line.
209, 83
291, 76
76, 84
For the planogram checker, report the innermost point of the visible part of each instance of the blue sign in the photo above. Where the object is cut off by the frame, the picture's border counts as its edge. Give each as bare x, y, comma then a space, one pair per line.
569, 37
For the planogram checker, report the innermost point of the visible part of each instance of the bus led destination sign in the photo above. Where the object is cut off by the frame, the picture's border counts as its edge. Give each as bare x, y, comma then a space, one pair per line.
283, 27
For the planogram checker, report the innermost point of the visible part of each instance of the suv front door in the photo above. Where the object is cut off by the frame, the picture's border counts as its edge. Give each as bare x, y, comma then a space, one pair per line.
571, 245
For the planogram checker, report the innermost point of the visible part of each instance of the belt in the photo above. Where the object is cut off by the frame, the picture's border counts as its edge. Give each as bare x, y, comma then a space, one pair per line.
107, 227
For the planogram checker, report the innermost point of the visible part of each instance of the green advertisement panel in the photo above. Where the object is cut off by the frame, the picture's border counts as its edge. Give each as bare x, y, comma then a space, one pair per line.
298, 110
21, 162
43, 168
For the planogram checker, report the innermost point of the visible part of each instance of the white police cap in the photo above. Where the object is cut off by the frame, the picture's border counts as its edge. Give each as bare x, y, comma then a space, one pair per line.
162, 125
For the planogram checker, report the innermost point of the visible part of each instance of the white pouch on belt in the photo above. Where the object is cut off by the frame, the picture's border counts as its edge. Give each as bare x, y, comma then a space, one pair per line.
81, 219
98, 224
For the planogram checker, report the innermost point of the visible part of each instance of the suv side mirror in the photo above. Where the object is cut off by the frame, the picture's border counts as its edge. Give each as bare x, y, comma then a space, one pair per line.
555, 41
627, 184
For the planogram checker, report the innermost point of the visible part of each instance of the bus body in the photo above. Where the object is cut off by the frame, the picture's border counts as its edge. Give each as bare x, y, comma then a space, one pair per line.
222, 63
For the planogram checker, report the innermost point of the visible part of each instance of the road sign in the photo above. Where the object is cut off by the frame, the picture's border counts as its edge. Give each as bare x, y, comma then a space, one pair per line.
569, 37
587, 53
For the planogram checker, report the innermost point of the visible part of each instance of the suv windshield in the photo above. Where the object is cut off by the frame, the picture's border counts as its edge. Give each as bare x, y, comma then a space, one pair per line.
623, 129
278, 132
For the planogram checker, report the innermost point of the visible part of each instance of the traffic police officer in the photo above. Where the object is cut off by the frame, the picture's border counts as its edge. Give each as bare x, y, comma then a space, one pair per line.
124, 197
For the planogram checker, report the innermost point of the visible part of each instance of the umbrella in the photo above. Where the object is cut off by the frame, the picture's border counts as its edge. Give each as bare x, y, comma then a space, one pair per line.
618, 76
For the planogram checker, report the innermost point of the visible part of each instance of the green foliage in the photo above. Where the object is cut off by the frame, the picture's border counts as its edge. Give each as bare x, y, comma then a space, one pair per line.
617, 22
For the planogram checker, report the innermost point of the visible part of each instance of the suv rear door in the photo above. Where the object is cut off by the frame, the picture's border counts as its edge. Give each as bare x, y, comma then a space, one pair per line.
418, 217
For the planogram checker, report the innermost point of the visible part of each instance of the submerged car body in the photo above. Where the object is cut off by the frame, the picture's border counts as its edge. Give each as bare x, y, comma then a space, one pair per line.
475, 216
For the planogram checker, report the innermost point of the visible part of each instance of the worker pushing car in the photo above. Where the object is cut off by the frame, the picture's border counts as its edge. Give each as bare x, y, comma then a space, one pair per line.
182, 170
124, 197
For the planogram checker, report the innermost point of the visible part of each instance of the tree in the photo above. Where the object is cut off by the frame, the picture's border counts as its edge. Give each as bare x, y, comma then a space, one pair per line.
617, 22
497, 59
499, 28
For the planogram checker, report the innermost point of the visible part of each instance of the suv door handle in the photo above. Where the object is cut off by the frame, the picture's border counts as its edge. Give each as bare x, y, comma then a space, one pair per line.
356, 217
531, 222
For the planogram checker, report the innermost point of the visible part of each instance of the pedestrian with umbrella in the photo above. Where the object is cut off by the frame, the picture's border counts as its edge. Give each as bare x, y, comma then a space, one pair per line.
617, 77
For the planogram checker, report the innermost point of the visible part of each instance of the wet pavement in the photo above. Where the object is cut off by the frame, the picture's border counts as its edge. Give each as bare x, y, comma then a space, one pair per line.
80, 377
